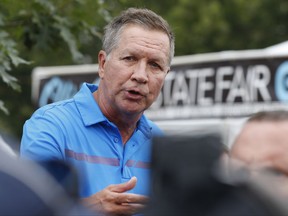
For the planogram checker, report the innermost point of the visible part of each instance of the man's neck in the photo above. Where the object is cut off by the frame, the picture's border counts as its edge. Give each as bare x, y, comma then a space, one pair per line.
125, 123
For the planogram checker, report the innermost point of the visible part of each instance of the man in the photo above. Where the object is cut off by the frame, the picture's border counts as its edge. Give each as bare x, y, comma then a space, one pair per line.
102, 131
262, 146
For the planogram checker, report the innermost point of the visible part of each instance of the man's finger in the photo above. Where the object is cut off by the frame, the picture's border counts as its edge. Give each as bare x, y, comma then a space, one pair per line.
120, 188
130, 198
129, 209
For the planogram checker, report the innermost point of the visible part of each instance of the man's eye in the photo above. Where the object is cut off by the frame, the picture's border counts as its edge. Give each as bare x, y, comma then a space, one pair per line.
155, 65
129, 58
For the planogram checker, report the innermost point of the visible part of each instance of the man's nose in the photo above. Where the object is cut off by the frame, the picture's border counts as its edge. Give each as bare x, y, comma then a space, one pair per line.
140, 73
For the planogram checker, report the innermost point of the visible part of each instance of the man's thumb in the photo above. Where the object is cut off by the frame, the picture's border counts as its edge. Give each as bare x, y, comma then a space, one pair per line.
120, 188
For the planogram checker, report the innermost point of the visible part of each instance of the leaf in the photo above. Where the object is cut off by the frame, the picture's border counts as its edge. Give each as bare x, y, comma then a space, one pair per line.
7, 47
3, 108
94, 31
1, 20
6, 64
47, 5
16, 60
69, 38
3, 34
10, 80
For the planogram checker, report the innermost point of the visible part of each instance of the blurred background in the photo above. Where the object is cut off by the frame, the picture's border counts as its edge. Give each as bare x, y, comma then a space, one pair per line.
68, 32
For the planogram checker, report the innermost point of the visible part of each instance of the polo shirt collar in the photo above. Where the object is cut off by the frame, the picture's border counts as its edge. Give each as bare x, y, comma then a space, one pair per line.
92, 114
87, 106
144, 126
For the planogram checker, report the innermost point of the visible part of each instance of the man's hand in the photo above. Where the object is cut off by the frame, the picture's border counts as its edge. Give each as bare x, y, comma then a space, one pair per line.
113, 200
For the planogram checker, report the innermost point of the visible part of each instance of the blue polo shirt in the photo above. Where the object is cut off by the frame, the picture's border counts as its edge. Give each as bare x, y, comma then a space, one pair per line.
76, 131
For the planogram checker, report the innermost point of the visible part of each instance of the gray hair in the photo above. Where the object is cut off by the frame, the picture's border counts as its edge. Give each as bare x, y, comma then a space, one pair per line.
142, 17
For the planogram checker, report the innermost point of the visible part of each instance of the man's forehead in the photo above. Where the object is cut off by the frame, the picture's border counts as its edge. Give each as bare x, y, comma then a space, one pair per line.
272, 129
261, 139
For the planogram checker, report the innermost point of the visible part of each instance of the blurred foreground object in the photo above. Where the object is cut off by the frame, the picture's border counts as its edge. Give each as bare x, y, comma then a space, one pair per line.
28, 189
6, 148
187, 179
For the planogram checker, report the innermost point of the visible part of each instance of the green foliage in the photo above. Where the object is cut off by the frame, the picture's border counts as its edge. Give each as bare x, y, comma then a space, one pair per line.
214, 25
9, 57
43, 33
49, 25
31, 27
209, 26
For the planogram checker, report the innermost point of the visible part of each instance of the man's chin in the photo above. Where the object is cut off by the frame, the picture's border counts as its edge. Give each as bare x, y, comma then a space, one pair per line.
133, 110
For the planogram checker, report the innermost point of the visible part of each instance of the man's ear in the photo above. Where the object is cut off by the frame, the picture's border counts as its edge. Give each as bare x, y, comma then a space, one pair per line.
101, 63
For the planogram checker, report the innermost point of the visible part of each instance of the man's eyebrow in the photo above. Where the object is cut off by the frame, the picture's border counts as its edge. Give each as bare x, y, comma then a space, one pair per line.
157, 60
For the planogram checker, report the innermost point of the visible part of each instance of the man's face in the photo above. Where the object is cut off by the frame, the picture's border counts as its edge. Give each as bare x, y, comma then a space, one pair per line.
263, 145
134, 72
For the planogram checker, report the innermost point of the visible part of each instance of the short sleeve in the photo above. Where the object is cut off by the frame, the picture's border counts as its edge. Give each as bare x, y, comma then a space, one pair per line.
42, 138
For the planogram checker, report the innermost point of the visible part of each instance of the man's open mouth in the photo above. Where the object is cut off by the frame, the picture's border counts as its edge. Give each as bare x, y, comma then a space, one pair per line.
134, 92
